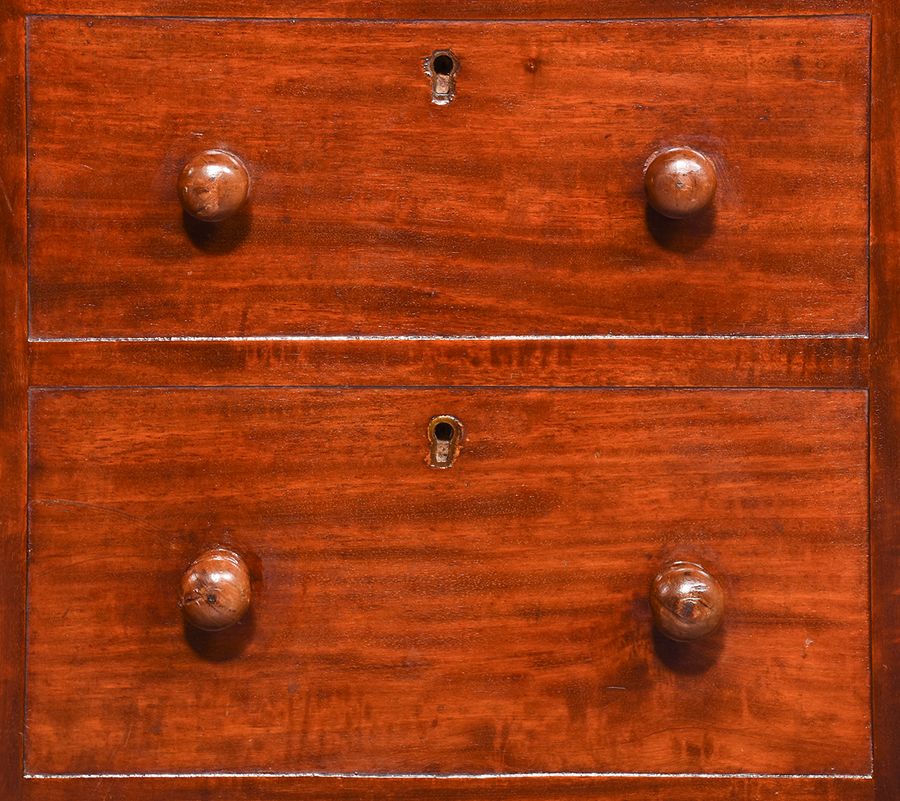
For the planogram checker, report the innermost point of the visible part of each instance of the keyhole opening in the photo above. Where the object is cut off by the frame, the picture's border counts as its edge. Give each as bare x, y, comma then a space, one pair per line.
443, 64
445, 436
444, 431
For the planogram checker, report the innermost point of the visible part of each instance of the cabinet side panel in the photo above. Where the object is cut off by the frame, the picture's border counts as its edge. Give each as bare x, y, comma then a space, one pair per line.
13, 305
885, 410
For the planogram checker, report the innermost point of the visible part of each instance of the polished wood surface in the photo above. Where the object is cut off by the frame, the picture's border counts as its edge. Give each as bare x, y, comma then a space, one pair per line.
215, 590
680, 182
459, 10
724, 362
519, 208
488, 618
686, 601
531, 788
213, 186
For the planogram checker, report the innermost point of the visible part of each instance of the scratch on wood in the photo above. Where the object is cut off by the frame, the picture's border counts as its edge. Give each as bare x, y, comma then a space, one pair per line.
6, 196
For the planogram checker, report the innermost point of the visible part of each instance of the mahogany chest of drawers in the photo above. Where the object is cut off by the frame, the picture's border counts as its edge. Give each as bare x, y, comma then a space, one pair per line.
406, 400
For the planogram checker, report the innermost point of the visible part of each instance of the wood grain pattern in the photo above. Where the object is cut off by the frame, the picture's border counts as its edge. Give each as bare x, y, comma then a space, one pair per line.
885, 402
441, 9
13, 405
615, 362
491, 618
618, 788
517, 209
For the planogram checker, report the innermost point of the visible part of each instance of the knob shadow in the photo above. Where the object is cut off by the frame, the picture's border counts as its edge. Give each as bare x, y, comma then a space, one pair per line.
689, 658
218, 237
681, 236
221, 646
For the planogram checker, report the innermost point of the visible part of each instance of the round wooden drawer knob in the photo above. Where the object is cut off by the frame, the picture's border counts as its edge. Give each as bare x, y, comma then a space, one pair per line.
215, 590
687, 602
680, 182
213, 186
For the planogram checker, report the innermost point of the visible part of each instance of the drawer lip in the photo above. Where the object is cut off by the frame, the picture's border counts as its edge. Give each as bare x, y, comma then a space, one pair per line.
426, 324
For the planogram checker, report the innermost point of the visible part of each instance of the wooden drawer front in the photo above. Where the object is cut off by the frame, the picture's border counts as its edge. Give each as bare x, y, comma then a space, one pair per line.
488, 618
517, 209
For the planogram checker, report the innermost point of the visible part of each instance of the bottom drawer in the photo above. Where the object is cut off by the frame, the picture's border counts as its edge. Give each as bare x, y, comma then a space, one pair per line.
491, 617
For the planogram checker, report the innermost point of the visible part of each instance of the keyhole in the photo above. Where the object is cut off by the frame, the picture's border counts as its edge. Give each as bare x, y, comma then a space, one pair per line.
445, 435
443, 431
441, 66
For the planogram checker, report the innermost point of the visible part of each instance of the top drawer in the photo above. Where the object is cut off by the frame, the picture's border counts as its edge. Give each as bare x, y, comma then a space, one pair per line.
516, 209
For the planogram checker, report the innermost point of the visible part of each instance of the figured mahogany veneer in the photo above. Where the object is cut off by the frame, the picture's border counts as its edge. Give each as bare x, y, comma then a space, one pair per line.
529, 788
461, 10
492, 617
518, 208
827, 362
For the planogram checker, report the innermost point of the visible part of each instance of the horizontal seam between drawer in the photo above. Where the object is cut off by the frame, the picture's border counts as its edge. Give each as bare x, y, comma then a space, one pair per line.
450, 338
453, 388
319, 775
458, 20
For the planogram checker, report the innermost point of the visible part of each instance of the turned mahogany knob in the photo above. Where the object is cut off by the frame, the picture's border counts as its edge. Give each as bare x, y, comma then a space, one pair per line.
687, 602
213, 185
215, 590
680, 182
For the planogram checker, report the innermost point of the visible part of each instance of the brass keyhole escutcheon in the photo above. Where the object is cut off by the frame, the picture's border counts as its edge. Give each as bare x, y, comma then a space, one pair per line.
445, 435
442, 66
